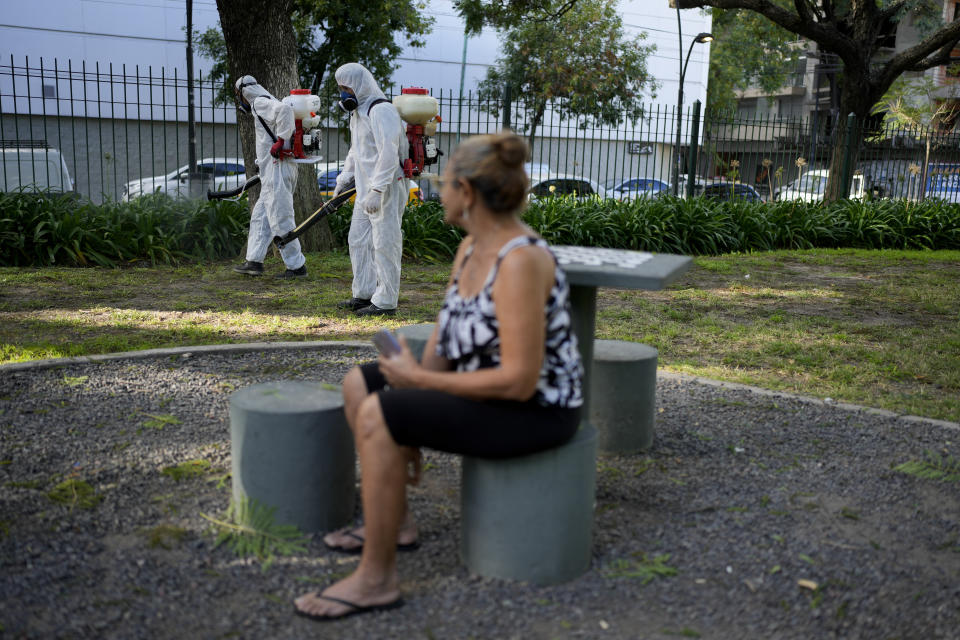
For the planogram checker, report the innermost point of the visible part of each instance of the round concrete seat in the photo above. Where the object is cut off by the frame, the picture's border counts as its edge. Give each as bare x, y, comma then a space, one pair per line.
530, 518
292, 450
623, 389
417, 336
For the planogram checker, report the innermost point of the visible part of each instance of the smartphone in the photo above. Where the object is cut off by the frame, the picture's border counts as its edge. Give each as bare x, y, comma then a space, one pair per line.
386, 343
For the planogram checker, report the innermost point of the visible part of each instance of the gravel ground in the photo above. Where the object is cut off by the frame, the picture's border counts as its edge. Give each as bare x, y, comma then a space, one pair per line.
783, 518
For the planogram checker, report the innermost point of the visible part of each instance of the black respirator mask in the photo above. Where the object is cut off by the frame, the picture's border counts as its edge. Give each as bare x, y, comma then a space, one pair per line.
241, 104
348, 101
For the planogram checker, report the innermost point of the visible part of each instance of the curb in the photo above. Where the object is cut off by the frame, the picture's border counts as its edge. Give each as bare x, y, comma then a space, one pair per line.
246, 347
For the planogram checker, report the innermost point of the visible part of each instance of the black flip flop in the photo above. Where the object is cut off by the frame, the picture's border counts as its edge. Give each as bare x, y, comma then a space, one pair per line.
410, 546
355, 608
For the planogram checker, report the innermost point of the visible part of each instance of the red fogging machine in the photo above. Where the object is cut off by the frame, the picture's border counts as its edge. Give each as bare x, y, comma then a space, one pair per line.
421, 113
305, 143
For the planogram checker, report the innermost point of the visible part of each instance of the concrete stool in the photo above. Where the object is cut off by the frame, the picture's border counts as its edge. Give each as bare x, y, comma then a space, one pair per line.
417, 336
623, 389
530, 518
292, 449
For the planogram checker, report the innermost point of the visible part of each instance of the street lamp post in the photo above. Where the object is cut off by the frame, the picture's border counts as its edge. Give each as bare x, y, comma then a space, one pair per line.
701, 38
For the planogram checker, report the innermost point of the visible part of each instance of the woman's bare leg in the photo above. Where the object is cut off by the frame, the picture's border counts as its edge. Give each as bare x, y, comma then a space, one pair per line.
382, 487
354, 393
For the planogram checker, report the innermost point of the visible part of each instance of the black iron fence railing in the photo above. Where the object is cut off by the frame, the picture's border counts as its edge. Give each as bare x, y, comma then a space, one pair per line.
110, 132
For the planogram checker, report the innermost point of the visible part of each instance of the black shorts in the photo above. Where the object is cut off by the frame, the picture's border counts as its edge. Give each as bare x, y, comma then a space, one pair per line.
481, 428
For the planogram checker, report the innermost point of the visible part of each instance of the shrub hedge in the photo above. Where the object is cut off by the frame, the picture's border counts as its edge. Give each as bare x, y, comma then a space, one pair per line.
47, 230
44, 230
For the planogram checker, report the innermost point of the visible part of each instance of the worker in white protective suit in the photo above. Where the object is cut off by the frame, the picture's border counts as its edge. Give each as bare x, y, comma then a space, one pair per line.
272, 216
377, 144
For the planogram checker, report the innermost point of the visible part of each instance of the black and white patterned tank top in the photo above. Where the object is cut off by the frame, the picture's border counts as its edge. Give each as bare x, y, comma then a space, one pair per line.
468, 332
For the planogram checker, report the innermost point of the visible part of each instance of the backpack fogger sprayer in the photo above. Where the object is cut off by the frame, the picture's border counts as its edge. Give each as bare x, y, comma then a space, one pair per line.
421, 112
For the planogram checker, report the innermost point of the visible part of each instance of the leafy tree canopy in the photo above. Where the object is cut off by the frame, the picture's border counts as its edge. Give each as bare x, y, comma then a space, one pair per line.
601, 78
747, 51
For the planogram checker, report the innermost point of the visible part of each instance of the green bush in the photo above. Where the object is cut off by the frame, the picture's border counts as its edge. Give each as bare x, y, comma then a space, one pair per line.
62, 230
47, 230
707, 227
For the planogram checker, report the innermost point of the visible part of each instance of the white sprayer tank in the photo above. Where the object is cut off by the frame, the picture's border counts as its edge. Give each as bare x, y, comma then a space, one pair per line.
303, 103
415, 106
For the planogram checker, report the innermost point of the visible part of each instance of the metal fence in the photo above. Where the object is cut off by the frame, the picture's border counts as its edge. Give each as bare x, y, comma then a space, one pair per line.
110, 125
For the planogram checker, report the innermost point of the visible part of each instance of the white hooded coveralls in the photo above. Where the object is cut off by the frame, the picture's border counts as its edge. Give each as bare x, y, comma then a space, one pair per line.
273, 213
378, 142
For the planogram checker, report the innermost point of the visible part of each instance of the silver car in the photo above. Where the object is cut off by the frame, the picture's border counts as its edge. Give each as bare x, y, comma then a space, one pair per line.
225, 173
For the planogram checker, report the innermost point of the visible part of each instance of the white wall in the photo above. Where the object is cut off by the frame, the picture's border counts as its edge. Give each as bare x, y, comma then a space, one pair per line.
151, 32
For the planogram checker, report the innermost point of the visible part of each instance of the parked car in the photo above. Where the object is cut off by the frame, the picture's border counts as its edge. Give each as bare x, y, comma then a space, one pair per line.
552, 185
731, 191
35, 168
225, 173
811, 186
943, 181
327, 181
637, 188
327, 177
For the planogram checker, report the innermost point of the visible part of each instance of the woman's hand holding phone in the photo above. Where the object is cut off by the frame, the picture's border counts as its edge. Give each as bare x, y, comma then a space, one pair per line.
386, 343
396, 362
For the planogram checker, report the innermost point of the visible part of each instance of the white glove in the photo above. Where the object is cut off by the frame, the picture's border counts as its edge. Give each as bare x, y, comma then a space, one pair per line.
372, 201
337, 190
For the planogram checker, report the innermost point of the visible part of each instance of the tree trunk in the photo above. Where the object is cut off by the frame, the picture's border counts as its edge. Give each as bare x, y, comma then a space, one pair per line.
261, 43
535, 123
856, 98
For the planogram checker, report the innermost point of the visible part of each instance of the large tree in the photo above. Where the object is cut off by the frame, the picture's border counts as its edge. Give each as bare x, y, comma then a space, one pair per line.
600, 79
260, 42
852, 30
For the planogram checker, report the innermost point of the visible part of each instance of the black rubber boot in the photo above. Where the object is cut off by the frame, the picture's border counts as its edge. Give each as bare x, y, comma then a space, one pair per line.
293, 273
353, 304
250, 268
374, 310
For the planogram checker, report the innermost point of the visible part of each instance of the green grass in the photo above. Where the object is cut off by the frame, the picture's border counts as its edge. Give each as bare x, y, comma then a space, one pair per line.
188, 469
878, 328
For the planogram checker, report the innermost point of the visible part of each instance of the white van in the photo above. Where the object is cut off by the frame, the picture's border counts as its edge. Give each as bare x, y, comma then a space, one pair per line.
34, 169
810, 186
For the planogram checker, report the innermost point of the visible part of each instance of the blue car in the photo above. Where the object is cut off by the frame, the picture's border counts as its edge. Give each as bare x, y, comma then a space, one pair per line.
636, 188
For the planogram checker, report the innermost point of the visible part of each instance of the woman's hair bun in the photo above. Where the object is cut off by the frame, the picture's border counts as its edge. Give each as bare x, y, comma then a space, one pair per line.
493, 164
510, 148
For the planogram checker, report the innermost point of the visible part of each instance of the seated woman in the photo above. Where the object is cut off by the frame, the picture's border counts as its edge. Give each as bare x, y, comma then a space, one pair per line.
500, 376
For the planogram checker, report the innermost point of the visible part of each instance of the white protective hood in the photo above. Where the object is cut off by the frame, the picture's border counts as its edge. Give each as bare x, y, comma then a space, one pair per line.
361, 81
